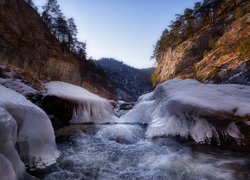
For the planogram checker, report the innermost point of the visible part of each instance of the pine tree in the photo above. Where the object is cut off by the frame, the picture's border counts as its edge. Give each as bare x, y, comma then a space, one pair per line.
50, 14
62, 29
208, 8
72, 34
178, 26
81, 50
197, 14
189, 22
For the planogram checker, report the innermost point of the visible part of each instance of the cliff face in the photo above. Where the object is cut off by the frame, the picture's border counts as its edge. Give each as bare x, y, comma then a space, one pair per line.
219, 52
26, 42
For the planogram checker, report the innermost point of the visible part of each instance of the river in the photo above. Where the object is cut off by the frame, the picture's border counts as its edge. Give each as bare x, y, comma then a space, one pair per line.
122, 152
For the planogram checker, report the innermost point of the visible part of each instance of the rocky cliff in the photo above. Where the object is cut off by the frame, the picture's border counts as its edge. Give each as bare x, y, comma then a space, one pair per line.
26, 43
217, 52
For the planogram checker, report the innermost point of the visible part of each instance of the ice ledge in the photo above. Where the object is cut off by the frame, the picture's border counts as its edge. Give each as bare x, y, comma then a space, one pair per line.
188, 108
88, 107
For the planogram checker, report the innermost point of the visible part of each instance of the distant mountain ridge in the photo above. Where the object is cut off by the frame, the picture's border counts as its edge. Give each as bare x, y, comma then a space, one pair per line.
130, 82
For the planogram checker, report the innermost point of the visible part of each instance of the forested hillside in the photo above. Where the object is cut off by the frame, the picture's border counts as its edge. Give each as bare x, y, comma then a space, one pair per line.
129, 82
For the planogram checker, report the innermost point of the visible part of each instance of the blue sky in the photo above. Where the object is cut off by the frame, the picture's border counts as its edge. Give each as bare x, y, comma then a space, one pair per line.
122, 29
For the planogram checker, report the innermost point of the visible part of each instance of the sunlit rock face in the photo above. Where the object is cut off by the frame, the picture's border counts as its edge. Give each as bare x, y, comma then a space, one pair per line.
188, 108
196, 58
28, 129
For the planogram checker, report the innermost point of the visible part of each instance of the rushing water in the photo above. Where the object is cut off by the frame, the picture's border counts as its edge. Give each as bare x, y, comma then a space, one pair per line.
122, 152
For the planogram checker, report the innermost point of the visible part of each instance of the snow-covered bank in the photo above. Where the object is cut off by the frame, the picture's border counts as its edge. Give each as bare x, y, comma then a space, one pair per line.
26, 126
190, 108
89, 107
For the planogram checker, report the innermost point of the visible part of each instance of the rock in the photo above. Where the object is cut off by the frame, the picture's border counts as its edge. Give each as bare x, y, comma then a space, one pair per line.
75, 129
126, 106
59, 110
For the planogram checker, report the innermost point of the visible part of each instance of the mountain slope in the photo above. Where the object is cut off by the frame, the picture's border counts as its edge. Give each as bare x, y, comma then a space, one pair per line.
130, 82
26, 42
217, 51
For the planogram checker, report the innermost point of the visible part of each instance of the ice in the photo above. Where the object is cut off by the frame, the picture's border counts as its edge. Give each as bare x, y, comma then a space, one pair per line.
6, 170
35, 135
9, 157
201, 131
89, 107
18, 86
189, 108
234, 132
146, 108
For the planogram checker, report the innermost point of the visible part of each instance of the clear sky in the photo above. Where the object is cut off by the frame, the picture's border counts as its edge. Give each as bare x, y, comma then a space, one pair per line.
122, 29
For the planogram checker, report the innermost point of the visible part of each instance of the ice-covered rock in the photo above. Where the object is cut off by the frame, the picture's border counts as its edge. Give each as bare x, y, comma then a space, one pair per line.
6, 169
189, 108
18, 86
9, 158
35, 138
88, 107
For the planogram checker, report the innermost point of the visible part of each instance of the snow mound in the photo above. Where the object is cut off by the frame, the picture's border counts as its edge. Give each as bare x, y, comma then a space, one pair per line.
190, 108
28, 128
89, 107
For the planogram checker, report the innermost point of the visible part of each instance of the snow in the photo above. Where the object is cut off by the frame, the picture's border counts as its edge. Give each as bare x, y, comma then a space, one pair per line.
35, 136
18, 86
9, 71
9, 157
6, 170
89, 107
185, 108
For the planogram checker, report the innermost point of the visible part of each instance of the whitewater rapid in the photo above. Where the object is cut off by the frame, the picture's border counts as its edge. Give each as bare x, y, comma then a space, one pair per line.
114, 153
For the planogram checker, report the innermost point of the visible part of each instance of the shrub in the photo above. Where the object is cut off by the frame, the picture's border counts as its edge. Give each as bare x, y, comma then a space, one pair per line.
238, 13
153, 78
244, 46
205, 52
211, 43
